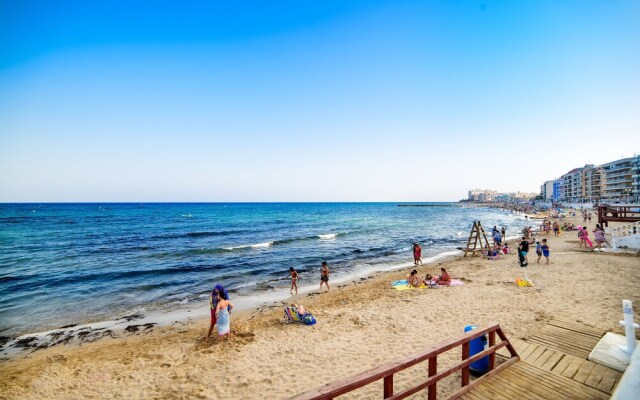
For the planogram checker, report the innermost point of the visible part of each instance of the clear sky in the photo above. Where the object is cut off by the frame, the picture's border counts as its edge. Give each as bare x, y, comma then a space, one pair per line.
311, 100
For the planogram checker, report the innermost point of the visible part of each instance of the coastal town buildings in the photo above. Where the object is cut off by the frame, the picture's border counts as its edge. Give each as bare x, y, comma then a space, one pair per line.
616, 181
484, 195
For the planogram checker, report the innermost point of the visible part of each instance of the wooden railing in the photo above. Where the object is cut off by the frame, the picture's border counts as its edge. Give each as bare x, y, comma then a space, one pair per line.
386, 371
608, 214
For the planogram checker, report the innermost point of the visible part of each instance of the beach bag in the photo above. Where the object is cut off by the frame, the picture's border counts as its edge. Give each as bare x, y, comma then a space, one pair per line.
308, 319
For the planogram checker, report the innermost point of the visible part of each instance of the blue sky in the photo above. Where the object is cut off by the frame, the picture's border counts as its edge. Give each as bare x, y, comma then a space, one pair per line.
311, 101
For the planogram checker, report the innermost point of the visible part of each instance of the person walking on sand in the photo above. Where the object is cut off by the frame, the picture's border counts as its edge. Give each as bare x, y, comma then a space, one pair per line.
523, 248
223, 309
293, 274
213, 304
538, 251
600, 237
417, 254
545, 250
324, 275
503, 233
585, 237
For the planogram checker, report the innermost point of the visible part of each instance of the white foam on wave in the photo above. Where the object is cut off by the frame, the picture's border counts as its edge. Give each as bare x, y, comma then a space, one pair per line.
245, 246
328, 236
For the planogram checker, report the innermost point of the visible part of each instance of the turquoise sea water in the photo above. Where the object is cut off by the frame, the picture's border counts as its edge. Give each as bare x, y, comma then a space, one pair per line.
74, 263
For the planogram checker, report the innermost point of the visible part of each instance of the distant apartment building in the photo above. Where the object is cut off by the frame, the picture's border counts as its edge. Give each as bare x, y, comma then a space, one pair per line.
482, 195
557, 190
551, 190
546, 190
592, 183
635, 190
572, 186
617, 181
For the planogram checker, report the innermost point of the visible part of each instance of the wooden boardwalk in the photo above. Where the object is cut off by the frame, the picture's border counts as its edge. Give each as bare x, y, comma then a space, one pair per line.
525, 381
556, 355
568, 337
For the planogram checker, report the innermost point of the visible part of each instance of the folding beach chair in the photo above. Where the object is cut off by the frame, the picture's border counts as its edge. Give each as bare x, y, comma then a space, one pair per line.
291, 314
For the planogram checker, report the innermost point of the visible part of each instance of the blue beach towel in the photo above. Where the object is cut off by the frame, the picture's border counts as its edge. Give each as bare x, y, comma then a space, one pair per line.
401, 282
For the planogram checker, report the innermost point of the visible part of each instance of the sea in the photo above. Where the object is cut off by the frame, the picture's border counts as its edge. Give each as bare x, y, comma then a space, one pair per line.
67, 264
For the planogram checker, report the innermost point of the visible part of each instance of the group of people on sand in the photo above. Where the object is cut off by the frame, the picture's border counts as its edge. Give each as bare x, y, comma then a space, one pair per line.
295, 277
444, 279
599, 233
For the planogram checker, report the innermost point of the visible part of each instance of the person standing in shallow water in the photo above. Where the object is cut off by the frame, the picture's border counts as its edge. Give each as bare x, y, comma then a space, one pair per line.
417, 254
324, 275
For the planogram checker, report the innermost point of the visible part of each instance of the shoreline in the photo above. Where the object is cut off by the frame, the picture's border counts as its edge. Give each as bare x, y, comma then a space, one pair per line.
80, 333
361, 324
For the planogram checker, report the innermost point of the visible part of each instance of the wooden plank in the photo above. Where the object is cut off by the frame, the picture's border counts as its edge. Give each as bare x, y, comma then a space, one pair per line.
532, 384
551, 329
580, 353
525, 354
609, 380
558, 321
515, 391
576, 351
562, 364
572, 368
568, 387
473, 396
489, 392
500, 368
596, 376
568, 336
534, 355
387, 389
544, 357
565, 348
433, 369
577, 327
560, 383
584, 371
552, 361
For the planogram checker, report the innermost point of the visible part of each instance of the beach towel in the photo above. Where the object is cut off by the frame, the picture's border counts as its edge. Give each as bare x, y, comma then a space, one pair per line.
404, 285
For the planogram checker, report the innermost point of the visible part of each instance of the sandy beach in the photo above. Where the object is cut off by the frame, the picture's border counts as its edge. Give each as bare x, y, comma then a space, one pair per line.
361, 324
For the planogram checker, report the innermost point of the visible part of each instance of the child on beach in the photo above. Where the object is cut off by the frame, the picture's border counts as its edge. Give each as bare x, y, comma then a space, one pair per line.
293, 274
324, 275
600, 237
585, 237
539, 251
545, 250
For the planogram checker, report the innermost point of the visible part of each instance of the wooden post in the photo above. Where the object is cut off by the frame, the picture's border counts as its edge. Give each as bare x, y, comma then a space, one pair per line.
492, 356
433, 369
388, 386
465, 370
